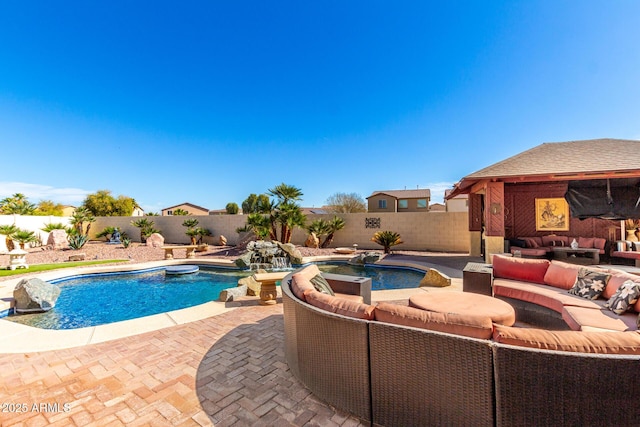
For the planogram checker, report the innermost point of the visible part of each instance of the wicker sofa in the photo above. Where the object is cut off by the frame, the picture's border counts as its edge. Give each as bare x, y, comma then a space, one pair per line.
375, 363
542, 246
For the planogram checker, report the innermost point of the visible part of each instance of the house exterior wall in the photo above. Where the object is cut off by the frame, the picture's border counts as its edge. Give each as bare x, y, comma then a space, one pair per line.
458, 204
393, 204
520, 217
186, 207
431, 231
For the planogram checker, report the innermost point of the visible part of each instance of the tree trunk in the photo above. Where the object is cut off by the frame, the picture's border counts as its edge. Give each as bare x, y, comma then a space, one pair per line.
327, 241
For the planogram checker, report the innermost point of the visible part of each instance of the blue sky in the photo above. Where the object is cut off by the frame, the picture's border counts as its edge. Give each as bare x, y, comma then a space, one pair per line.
208, 101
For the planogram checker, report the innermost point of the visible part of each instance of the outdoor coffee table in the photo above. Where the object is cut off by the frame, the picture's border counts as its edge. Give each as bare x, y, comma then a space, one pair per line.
563, 252
466, 303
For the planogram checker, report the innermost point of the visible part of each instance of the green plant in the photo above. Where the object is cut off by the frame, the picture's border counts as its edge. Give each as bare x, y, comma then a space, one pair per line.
126, 242
232, 208
334, 225
53, 226
146, 228
8, 231
79, 218
386, 239
180, 211
77, 241
201, 233
25, 236
107, 232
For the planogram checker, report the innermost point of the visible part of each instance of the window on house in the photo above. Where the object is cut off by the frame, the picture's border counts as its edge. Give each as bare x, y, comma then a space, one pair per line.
422, 203
382, 204
403, 204
169, 212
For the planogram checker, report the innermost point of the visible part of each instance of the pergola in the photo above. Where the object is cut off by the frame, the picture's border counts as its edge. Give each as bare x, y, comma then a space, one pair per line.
598, 178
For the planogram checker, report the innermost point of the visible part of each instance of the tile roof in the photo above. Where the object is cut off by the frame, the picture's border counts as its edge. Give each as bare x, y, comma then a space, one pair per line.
187, 204
594, 155
405, 194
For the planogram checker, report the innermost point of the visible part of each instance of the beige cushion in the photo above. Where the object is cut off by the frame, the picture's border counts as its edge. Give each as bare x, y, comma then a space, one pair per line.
335, 304
467, 325
583, 342
561, 274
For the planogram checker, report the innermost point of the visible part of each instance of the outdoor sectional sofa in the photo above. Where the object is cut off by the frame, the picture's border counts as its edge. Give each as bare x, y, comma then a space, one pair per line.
394, 365
542, 246
628, 250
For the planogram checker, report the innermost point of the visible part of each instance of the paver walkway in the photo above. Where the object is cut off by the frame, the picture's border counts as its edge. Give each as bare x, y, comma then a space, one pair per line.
224, 370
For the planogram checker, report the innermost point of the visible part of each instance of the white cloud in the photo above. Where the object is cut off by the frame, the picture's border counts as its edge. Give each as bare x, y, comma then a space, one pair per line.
37, 192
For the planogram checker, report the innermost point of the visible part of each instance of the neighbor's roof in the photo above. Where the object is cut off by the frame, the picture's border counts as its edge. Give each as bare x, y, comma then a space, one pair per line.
187, 204
558, 160
405, 194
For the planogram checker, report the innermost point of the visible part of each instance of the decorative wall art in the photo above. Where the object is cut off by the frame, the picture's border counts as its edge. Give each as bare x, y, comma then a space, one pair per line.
552, 214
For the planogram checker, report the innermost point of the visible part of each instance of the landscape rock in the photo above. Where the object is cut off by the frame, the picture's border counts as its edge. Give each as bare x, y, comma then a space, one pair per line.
365, 258
312, 241
435, 278
244, 260
155, 240
35, 295
222, 241
77, 257
57, 239
295, 257
253, 286
230, 294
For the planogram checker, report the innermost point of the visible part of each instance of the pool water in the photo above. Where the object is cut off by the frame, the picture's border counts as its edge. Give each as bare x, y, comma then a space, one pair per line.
381, 277
98, 299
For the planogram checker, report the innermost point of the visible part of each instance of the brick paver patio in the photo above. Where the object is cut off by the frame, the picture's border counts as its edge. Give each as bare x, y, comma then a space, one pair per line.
224, 370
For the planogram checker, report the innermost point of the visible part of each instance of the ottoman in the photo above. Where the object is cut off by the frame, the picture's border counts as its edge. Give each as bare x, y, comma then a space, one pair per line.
469, 304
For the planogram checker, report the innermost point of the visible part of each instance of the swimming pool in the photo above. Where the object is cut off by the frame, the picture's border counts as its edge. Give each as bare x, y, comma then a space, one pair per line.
97, 299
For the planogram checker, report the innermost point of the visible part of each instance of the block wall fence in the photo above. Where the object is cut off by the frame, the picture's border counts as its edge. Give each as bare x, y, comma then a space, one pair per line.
424, 231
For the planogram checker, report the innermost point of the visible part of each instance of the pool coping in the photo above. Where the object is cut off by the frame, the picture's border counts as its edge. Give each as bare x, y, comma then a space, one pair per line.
18, 338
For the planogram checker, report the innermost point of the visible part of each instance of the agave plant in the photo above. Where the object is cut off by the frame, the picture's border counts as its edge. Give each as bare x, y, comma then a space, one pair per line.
77, 241
386, 239
8, 231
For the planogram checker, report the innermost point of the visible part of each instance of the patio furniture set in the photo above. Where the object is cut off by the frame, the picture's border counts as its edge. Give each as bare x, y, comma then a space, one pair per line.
398, 365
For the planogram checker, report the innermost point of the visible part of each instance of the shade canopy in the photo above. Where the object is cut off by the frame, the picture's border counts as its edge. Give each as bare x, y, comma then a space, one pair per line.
604, 198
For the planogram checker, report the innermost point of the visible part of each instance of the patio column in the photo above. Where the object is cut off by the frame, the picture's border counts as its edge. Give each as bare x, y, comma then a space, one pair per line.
475, 224
493, 219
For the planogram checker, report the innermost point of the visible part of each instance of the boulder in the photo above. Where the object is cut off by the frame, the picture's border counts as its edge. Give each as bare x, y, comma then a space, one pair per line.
155, 240
295, 257
365, 258
230, 294
35, 295
435, 278
77, 257
253, 286
312, 241
244, 260
57, 239
222, 240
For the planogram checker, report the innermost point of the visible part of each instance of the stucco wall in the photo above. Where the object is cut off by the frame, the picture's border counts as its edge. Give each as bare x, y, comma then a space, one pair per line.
435, 231
31, 223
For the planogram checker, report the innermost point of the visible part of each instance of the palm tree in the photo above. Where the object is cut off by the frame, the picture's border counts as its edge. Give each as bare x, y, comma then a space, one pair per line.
285, 211
180, 212
146, 228
8, 231
17, 204
25, 236
334, 225
386, 239
79, 218
286, 193
260, 225
319, 227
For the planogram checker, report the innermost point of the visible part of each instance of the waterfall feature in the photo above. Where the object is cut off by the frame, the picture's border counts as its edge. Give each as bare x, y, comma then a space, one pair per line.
270, 256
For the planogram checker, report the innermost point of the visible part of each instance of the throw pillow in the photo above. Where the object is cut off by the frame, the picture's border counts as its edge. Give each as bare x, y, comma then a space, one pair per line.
321, 284
589, 283
626, 295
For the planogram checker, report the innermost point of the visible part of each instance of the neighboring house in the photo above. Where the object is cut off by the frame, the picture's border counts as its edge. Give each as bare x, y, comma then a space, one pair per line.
312, 211
437, 207
399, 201
138, 211
459, 203
191, 208
68, 210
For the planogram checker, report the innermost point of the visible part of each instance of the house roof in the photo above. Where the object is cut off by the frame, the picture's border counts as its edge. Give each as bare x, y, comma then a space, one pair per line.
572, 160
186, 204
424, 193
